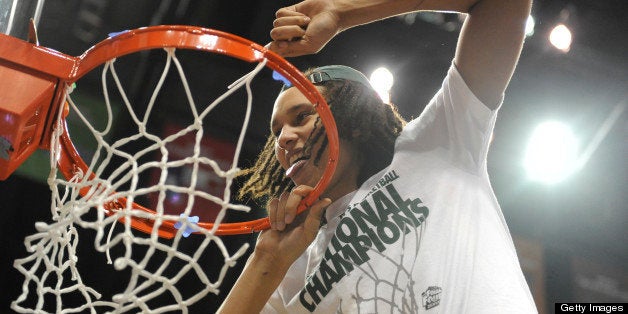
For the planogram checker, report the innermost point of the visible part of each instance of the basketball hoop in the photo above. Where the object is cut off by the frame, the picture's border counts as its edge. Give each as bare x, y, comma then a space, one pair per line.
38, 120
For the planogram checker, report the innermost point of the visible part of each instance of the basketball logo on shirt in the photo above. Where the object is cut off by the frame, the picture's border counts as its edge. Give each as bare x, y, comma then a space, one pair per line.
431, 297
384, 218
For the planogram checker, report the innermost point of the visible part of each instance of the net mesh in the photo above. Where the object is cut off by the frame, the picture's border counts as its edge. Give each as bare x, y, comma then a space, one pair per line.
101, 199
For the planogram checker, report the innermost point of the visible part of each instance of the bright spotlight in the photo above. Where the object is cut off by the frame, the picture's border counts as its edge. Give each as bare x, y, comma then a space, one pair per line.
552, 153
530, 23
382, 81
560, 37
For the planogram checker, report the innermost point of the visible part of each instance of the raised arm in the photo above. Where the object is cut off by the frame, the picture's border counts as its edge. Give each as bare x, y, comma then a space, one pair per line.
488, 47
486, 55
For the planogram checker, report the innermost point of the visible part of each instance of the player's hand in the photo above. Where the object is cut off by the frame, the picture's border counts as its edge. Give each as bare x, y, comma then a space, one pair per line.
283, 210
290, 234
304, 28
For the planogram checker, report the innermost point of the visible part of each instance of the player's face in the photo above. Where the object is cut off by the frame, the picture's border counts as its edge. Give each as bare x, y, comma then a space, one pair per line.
294, 118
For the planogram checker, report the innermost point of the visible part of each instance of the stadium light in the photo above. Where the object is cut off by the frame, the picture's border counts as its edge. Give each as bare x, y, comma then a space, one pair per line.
560, 37
551, 153
530, 23
382, 81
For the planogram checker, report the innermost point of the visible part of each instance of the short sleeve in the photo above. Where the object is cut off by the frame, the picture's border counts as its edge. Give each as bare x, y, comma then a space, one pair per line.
455, 123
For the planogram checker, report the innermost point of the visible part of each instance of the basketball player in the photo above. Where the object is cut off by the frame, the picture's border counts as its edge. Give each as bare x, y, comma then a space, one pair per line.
409, 222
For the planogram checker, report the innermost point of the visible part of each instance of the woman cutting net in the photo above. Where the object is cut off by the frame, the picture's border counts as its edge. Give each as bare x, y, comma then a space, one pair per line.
409, 222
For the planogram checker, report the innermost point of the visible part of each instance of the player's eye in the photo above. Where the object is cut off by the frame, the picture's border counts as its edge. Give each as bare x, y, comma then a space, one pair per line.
301, 116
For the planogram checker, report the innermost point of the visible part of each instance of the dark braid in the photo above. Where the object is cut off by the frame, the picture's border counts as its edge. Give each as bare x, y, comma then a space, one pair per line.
266, 176
363, 121
370, 125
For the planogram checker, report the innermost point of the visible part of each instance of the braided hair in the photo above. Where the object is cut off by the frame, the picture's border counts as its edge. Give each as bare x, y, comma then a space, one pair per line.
363, 121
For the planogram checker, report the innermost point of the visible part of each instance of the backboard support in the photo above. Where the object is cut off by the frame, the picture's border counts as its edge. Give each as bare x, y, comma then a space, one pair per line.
28, 91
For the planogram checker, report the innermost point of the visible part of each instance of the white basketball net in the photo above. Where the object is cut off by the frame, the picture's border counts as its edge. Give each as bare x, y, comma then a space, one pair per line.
52, 269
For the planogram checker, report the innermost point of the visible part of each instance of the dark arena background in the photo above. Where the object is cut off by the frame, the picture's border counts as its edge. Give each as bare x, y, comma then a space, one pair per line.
570, 233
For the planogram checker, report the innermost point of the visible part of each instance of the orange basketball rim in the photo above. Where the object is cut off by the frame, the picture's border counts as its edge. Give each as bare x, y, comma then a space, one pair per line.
34, 81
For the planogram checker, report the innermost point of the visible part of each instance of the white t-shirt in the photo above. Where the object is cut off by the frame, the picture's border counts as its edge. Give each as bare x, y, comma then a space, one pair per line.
425, 235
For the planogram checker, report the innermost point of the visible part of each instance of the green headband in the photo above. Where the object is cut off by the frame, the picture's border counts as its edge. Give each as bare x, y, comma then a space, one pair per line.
332, 72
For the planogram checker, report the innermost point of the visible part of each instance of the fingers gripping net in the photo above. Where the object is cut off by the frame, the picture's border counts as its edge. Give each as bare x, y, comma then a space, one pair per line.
102, 198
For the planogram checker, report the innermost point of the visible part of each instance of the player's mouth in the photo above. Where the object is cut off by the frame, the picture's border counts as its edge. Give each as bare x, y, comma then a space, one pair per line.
296, 166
